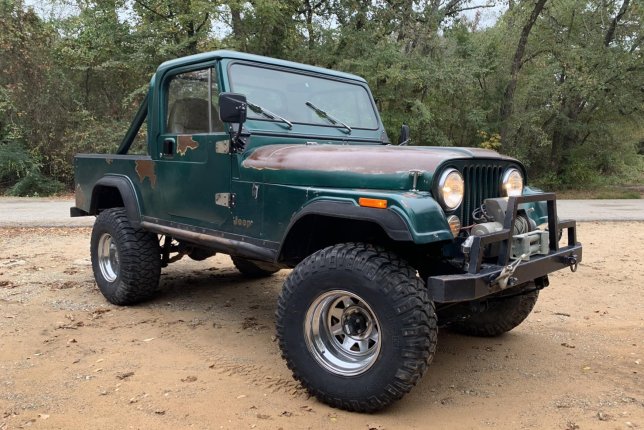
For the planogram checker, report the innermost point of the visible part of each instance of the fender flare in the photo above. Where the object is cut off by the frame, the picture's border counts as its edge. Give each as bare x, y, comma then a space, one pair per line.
127, 192
392, 223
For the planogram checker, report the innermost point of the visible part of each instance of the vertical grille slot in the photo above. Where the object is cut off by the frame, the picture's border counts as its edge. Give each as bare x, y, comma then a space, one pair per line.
481, 182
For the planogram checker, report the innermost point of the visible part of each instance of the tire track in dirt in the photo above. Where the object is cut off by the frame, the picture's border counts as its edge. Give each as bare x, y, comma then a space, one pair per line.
255, 374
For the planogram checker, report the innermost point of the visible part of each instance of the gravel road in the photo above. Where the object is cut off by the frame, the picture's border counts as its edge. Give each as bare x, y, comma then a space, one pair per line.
44, 212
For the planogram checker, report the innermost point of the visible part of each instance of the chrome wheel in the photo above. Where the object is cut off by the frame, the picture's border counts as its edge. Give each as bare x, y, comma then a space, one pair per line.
108, 257
342, 333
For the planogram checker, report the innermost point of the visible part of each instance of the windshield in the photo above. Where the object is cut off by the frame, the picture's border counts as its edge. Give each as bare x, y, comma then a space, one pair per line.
286, 94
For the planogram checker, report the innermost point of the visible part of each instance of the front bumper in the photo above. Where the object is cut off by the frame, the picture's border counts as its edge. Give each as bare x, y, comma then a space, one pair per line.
482, 280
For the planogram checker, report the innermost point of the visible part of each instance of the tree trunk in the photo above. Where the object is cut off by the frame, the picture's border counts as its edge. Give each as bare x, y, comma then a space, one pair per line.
508, 97
308, 13
237, 25
610, 34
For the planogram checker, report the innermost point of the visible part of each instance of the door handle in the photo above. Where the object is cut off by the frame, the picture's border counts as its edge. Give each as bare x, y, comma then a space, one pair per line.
168, 146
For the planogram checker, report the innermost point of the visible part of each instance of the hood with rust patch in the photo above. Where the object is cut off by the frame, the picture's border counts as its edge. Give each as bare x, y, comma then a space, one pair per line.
364, 166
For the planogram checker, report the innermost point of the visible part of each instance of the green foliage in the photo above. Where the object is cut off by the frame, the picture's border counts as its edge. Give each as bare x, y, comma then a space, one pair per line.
19, 168
490, 140
35, 184
15, 163
70, 82
579, 108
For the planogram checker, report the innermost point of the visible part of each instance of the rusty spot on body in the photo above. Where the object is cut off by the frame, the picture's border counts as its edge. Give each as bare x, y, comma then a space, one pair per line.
185, 142
109, 161
145, 169
368, 159
79, 195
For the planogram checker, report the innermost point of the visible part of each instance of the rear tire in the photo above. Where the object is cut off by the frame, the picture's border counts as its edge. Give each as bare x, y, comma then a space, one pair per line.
356, 326
499, 316
126, 260
254, 269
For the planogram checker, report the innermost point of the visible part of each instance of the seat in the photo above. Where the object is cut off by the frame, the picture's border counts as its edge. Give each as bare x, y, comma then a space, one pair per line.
190, 116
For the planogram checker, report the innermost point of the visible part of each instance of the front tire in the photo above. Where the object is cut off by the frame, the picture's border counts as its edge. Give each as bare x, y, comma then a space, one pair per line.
126, 260
356, 326
498, 315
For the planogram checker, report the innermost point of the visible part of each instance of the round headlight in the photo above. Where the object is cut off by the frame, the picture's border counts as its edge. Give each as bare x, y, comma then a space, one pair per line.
450, 189
512, 183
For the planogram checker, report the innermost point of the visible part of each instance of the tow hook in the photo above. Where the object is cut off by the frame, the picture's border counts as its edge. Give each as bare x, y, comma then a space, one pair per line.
572, 262
505, 278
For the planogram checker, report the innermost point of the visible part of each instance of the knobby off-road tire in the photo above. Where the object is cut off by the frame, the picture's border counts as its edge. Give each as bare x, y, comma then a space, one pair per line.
254, 269
356, 326
501, 314
126, 260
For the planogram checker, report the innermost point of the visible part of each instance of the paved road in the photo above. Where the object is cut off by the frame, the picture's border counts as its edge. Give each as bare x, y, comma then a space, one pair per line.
39, 212
44, 212
601, 210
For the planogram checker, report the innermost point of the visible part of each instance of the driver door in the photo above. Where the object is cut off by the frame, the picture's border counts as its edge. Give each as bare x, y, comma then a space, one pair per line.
194, 170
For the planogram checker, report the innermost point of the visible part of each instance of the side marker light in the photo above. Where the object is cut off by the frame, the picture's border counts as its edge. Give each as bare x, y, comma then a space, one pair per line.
372, 203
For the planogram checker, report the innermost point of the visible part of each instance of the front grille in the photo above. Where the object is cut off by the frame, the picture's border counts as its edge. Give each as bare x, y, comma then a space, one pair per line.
481, 182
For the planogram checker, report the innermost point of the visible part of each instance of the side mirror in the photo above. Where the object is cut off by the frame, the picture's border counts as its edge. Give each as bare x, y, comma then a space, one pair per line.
232, 107
404, 138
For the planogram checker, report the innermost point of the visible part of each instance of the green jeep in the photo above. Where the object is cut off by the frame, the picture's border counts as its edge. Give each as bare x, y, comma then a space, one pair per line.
287, 166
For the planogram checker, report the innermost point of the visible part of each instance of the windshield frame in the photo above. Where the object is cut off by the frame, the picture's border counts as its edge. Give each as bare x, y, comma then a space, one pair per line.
378, 122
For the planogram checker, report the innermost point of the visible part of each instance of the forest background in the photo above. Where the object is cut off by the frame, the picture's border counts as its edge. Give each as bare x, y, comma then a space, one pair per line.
558, 84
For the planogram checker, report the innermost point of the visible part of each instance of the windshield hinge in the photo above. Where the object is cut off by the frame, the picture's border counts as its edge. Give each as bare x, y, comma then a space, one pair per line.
225, 199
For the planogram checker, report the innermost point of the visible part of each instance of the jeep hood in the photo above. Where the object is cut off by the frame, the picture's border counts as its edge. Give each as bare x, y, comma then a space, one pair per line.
361, 166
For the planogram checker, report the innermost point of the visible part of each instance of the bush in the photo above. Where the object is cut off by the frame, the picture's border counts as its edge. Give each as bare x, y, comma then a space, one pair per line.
36, 184
15, 163
20, 172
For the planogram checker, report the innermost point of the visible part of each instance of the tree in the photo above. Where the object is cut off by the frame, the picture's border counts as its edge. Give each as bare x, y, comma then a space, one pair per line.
565, 94
517, 63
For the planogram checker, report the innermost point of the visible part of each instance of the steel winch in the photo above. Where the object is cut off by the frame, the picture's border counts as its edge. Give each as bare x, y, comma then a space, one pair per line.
528, 239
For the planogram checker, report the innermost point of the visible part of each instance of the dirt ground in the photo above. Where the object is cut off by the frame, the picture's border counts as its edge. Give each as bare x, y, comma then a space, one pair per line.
203, 355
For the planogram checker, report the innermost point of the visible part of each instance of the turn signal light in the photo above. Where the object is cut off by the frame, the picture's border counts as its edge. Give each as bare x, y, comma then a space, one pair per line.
372, 203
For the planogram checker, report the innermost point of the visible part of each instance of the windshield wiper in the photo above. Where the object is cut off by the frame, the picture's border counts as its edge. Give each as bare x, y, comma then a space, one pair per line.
325, 115
268, 114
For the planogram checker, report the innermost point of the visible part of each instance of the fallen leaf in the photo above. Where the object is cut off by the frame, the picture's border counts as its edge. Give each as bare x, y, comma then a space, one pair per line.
7, 284
13, 263
124, 375
603, 417
249, 322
